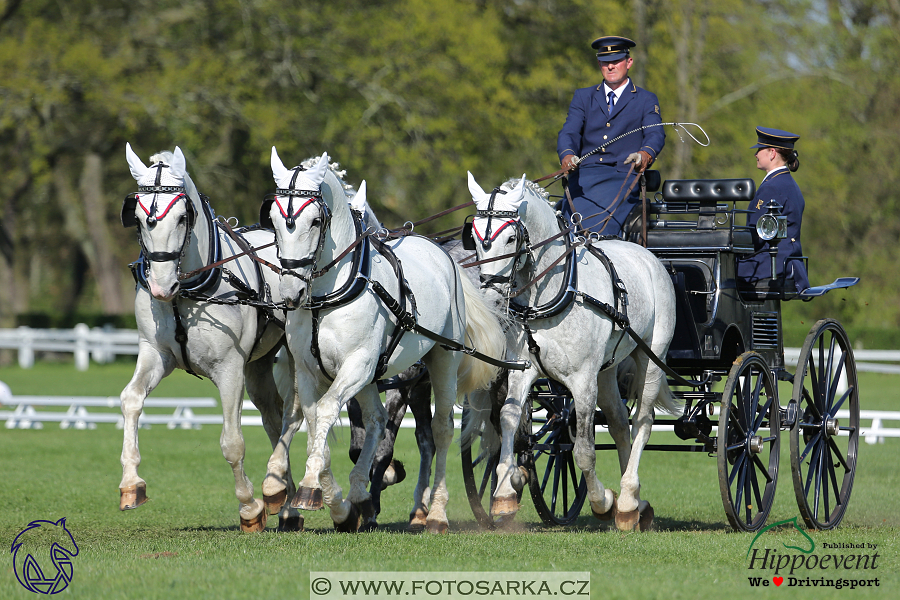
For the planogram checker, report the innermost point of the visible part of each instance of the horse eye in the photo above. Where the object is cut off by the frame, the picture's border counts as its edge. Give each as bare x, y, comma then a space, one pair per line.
511, 240
317, 222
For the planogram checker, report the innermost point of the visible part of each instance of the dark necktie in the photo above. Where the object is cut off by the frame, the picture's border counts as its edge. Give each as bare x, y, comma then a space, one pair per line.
612, 101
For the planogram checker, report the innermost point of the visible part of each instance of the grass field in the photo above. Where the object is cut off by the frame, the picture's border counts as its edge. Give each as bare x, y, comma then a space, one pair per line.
185, 542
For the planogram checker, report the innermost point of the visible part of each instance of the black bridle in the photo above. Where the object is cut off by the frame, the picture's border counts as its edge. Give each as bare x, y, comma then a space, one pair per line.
129, 218
314, 197
522, 239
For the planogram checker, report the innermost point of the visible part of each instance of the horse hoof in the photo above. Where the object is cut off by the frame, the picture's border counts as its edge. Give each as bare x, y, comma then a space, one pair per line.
394, 474
519, 478
367, 509
255, 524
369, 526
608, 515
132, 496
438, 527
289, 524
351, 525
417, 521
275, 502
508, 505
308, 499
627, 521
646, 521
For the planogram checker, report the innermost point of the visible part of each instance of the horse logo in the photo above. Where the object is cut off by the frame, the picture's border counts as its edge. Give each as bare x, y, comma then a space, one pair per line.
812, 543
35, 548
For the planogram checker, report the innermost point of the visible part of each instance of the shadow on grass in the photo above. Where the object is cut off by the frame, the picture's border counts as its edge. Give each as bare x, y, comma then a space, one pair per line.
581, 525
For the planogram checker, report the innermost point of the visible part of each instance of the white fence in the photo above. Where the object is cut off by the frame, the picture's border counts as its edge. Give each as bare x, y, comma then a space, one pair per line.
103, 344
25, 415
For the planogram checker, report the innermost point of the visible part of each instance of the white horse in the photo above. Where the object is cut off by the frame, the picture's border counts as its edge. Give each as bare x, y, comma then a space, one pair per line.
232, 344
573, 341
342, 331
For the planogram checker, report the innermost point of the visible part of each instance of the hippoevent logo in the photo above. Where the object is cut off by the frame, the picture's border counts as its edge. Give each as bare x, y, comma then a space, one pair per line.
802, 566
42, 556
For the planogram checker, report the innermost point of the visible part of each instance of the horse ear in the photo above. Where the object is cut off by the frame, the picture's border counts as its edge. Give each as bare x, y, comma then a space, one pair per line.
359, 200
517, 195
475, 189
135, 165
179, 164
279, 171
317, 173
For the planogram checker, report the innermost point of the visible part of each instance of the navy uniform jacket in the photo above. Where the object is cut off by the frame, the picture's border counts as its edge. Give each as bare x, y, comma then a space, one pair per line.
589, 126
781, 187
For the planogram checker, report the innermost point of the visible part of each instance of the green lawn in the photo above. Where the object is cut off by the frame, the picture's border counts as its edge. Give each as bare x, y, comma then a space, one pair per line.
185, 542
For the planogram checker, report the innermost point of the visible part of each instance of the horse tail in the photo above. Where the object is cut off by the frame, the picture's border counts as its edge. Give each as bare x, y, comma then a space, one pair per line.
483, 331
477, 422
665, 400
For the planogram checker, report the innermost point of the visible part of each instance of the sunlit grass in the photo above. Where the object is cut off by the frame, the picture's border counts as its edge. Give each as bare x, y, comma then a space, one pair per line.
185, 542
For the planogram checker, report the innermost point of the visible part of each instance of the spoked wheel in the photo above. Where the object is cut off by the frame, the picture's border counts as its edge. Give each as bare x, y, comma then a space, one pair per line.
558, 489
479, 474
748, 443
824, 443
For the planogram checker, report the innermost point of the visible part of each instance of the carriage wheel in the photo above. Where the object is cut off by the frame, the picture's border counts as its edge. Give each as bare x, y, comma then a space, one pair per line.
748, 442
479, 475
823, 445
553, 477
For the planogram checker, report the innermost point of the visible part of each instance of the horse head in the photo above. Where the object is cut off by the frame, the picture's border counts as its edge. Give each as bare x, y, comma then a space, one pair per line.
498, 232
300, 215
164, 212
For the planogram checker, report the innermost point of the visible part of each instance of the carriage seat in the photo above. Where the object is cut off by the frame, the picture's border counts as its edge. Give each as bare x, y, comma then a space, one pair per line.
705, 218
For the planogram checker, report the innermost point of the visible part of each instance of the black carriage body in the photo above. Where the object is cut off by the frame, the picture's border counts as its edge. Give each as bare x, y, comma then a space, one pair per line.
693, 228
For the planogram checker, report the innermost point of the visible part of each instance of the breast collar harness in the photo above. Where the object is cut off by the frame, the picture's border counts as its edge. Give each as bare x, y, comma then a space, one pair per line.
568, 292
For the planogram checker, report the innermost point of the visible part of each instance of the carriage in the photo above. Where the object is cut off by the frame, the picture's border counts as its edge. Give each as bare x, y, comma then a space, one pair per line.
726, 362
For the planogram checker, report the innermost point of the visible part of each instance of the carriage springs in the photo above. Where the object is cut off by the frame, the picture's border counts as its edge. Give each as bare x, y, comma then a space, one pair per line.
786, 568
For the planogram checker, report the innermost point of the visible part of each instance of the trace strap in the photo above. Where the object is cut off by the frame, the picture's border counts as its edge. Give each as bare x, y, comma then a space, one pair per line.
408, 322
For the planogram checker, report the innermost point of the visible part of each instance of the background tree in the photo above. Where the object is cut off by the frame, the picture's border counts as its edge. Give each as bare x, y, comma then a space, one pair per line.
409, 94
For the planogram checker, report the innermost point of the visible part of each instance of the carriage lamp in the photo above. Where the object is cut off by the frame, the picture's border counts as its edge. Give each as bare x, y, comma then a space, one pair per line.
773, 224
772, 227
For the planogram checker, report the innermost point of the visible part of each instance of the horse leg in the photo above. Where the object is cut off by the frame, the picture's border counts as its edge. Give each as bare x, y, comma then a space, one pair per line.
395, 406
150, 369
443, 367
374, 419
263, 391
318, 486
584, 393
420, 405
231, 387
357, 429
617, 418
632, 512
505, 502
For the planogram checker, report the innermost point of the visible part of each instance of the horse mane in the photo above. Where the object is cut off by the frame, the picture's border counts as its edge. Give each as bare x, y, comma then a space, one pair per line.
167, 157
535, 188
335, 168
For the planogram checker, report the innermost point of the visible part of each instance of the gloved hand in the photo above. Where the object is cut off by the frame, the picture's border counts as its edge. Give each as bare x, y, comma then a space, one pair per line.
640, 159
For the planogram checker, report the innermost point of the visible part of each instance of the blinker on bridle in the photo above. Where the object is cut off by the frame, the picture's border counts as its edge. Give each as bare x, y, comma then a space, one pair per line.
490, 214
132, 201
290, 215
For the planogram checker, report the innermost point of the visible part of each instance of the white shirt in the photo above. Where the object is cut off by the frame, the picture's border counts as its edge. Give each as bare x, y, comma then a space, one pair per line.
618, 92
772, 172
